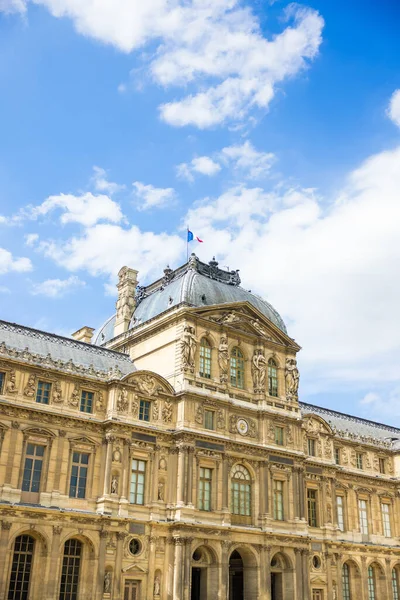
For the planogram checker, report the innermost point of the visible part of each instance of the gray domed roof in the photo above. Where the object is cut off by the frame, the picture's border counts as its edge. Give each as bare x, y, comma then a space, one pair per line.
194, 284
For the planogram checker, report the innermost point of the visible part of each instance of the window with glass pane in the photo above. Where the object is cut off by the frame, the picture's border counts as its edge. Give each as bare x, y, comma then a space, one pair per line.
209, 419
311, 446
138, 474
32, 468
346, 582
386, 520
340, 512
21, 567
360, 462
205, 489
205, 359
272, 378
237, 368
371, 584
337, 456
241, 491
279, 436
363, 514
144, 410
70, 570
382, 465
86, 402
79, 472
395, 585
278, 500
312, 508
2, 379
43, 392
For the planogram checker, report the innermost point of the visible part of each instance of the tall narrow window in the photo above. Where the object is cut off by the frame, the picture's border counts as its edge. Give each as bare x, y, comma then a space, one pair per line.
346, 582
272, 378
241, 491
371, 584
359, 460
337, 456
340, 512
279, 435
205, 359
144, 410
79, 472
386, 519
237, 368
278, 500
209, 419
311, 446
312, 508
382, 466
32, 468
70, 570
86, 404
21, 568
43, 392
138, 475
395, 585
205, 488
363, 515
2, 379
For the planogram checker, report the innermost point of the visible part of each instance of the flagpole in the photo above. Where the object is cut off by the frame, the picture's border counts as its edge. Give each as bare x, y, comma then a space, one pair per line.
187, 244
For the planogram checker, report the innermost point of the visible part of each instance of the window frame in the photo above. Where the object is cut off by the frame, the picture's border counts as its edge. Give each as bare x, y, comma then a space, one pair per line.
312, 522
360, 460
386, 519
278, 499
237, 368
66, 567
241, 493
382, 465
341, 522
210, 413
395, 584
81, 465
140, 474
279, 439
311, 445
363, 516
45, 383
2, 381
371, 583
84, 401
346, 582
17, 562
337, 455
273, 380
144, 410
205, 488
35, 459
205, 358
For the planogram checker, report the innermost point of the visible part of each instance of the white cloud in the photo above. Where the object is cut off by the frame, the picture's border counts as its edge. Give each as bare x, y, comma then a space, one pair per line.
87, 209
3, 219
201, 164
4, 290
9, 263
31, 239
152, 197
13, 6
57, 288
101, 183
249, 162
394, 108
384, 406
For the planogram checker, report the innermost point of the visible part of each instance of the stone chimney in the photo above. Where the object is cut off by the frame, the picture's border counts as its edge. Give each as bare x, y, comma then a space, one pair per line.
84, 334
126, 299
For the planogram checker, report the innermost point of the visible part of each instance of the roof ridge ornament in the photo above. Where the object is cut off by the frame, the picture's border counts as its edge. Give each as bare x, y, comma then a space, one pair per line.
192, 262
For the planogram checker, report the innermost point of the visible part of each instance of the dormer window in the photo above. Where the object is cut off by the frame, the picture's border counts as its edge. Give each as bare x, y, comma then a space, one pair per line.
272, 378
205, 359
237, 368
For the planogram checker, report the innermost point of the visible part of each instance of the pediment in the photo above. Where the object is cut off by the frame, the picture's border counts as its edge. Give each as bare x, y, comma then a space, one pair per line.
134, 567
317, 580
148, 383
314, 424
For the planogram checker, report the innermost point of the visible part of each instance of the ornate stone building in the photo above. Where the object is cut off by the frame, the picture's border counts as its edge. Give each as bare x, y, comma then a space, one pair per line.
167, 457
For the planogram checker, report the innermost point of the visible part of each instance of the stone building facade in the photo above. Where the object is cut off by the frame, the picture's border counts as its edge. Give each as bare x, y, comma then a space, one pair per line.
167, 457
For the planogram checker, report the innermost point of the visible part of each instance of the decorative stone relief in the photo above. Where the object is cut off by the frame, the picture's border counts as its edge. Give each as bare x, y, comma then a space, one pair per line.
246, 427
11, 387
135, 408
126, 302
57, 394
328, 448
162, 465
292, 377
146, 384
75, 396
220, 419
199, 414
223, 359
107, 582
289, 435
156, 410
258, 371
30, 388
123, 401
167, 412
188, 348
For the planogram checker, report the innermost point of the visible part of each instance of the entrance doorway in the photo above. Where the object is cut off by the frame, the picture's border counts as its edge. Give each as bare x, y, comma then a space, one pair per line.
236, 577
196, 584
276, 586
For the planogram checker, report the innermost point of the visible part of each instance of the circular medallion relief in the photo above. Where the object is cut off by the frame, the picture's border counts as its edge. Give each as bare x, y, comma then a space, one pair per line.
242, 426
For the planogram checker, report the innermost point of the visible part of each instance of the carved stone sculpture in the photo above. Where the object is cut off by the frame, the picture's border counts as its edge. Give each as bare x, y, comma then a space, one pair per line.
135, 408
157, 586
188, 348
57, 397
30, 388
258, 371
220, 419
199, 414
292, 377
160, 493
223, 359
167, 412
156, 410
107, 582
75, 396
114, 485
146, 384
99, 401
11, 384
123, 402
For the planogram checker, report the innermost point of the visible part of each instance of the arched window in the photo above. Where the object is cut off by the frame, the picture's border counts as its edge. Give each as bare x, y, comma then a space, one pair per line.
346, 582
237, 368
241, 491
70, 570
205, 359
395, 585
371, 584
21, 568
272, 378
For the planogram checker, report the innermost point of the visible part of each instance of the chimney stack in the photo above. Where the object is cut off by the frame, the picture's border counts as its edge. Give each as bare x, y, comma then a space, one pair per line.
126, 299
84, 334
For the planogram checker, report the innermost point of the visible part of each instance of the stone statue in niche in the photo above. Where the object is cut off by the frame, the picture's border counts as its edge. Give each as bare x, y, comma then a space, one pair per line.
292, 377
57, 397
99, 401
11, 384
160, 494
162, 465
167, 412
135, 408
157, 586
188, 348
75, 396
199, 414
223, 359
114, 485
258, 371
116, 455
30, 388
107, 582
123, 402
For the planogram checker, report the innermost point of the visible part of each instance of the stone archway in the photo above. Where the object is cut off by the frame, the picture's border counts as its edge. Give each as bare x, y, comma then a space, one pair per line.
243, 575
204, 575
282, 577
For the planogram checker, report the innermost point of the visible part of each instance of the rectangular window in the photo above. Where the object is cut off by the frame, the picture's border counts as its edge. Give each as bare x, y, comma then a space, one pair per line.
32, 468
79, 472
278, 500
337, 456
395, 586
346, 582
43, 392
144, 410
363, 515
205, 360
279, 436
86, 405
311, 447
205, 488
386, 520
2, 379
371, 584
340, 512
360, 461
317, 595
138, 474
209, 418
312, 508
382, 465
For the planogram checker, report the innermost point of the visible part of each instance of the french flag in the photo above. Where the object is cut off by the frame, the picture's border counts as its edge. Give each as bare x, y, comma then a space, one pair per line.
191, 237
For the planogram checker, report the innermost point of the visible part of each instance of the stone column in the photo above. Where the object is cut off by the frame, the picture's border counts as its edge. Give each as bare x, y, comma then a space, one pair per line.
117, 592
59, 462
364, 578
156, 458
329, 576
301, 488
225, 468
265, 573
189, 483
299, 574
180, 497
264, 503
151, 570
338, 559
101, 564
4, 536
224, 571
296, 493
55, 556
107, 468
10, 470
388, 578
306, 583
178, 569
186, 568
125, 492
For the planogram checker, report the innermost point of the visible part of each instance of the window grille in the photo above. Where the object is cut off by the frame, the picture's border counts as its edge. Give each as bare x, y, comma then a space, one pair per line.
237, 368
340, 512
241, 491
32, 468
144, 410
363, 514
79, 473
70, 570
278, 500
272, 378
138, 474
205, 488
205, 359
371, 584
395, 585
386, 520
43, 392
312, 508
21, 567
86, 404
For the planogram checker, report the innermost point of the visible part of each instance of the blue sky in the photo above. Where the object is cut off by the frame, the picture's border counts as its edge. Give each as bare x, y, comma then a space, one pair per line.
271, 128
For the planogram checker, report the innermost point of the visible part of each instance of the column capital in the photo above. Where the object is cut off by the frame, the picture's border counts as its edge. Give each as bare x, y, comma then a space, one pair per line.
6, 525
57, 530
